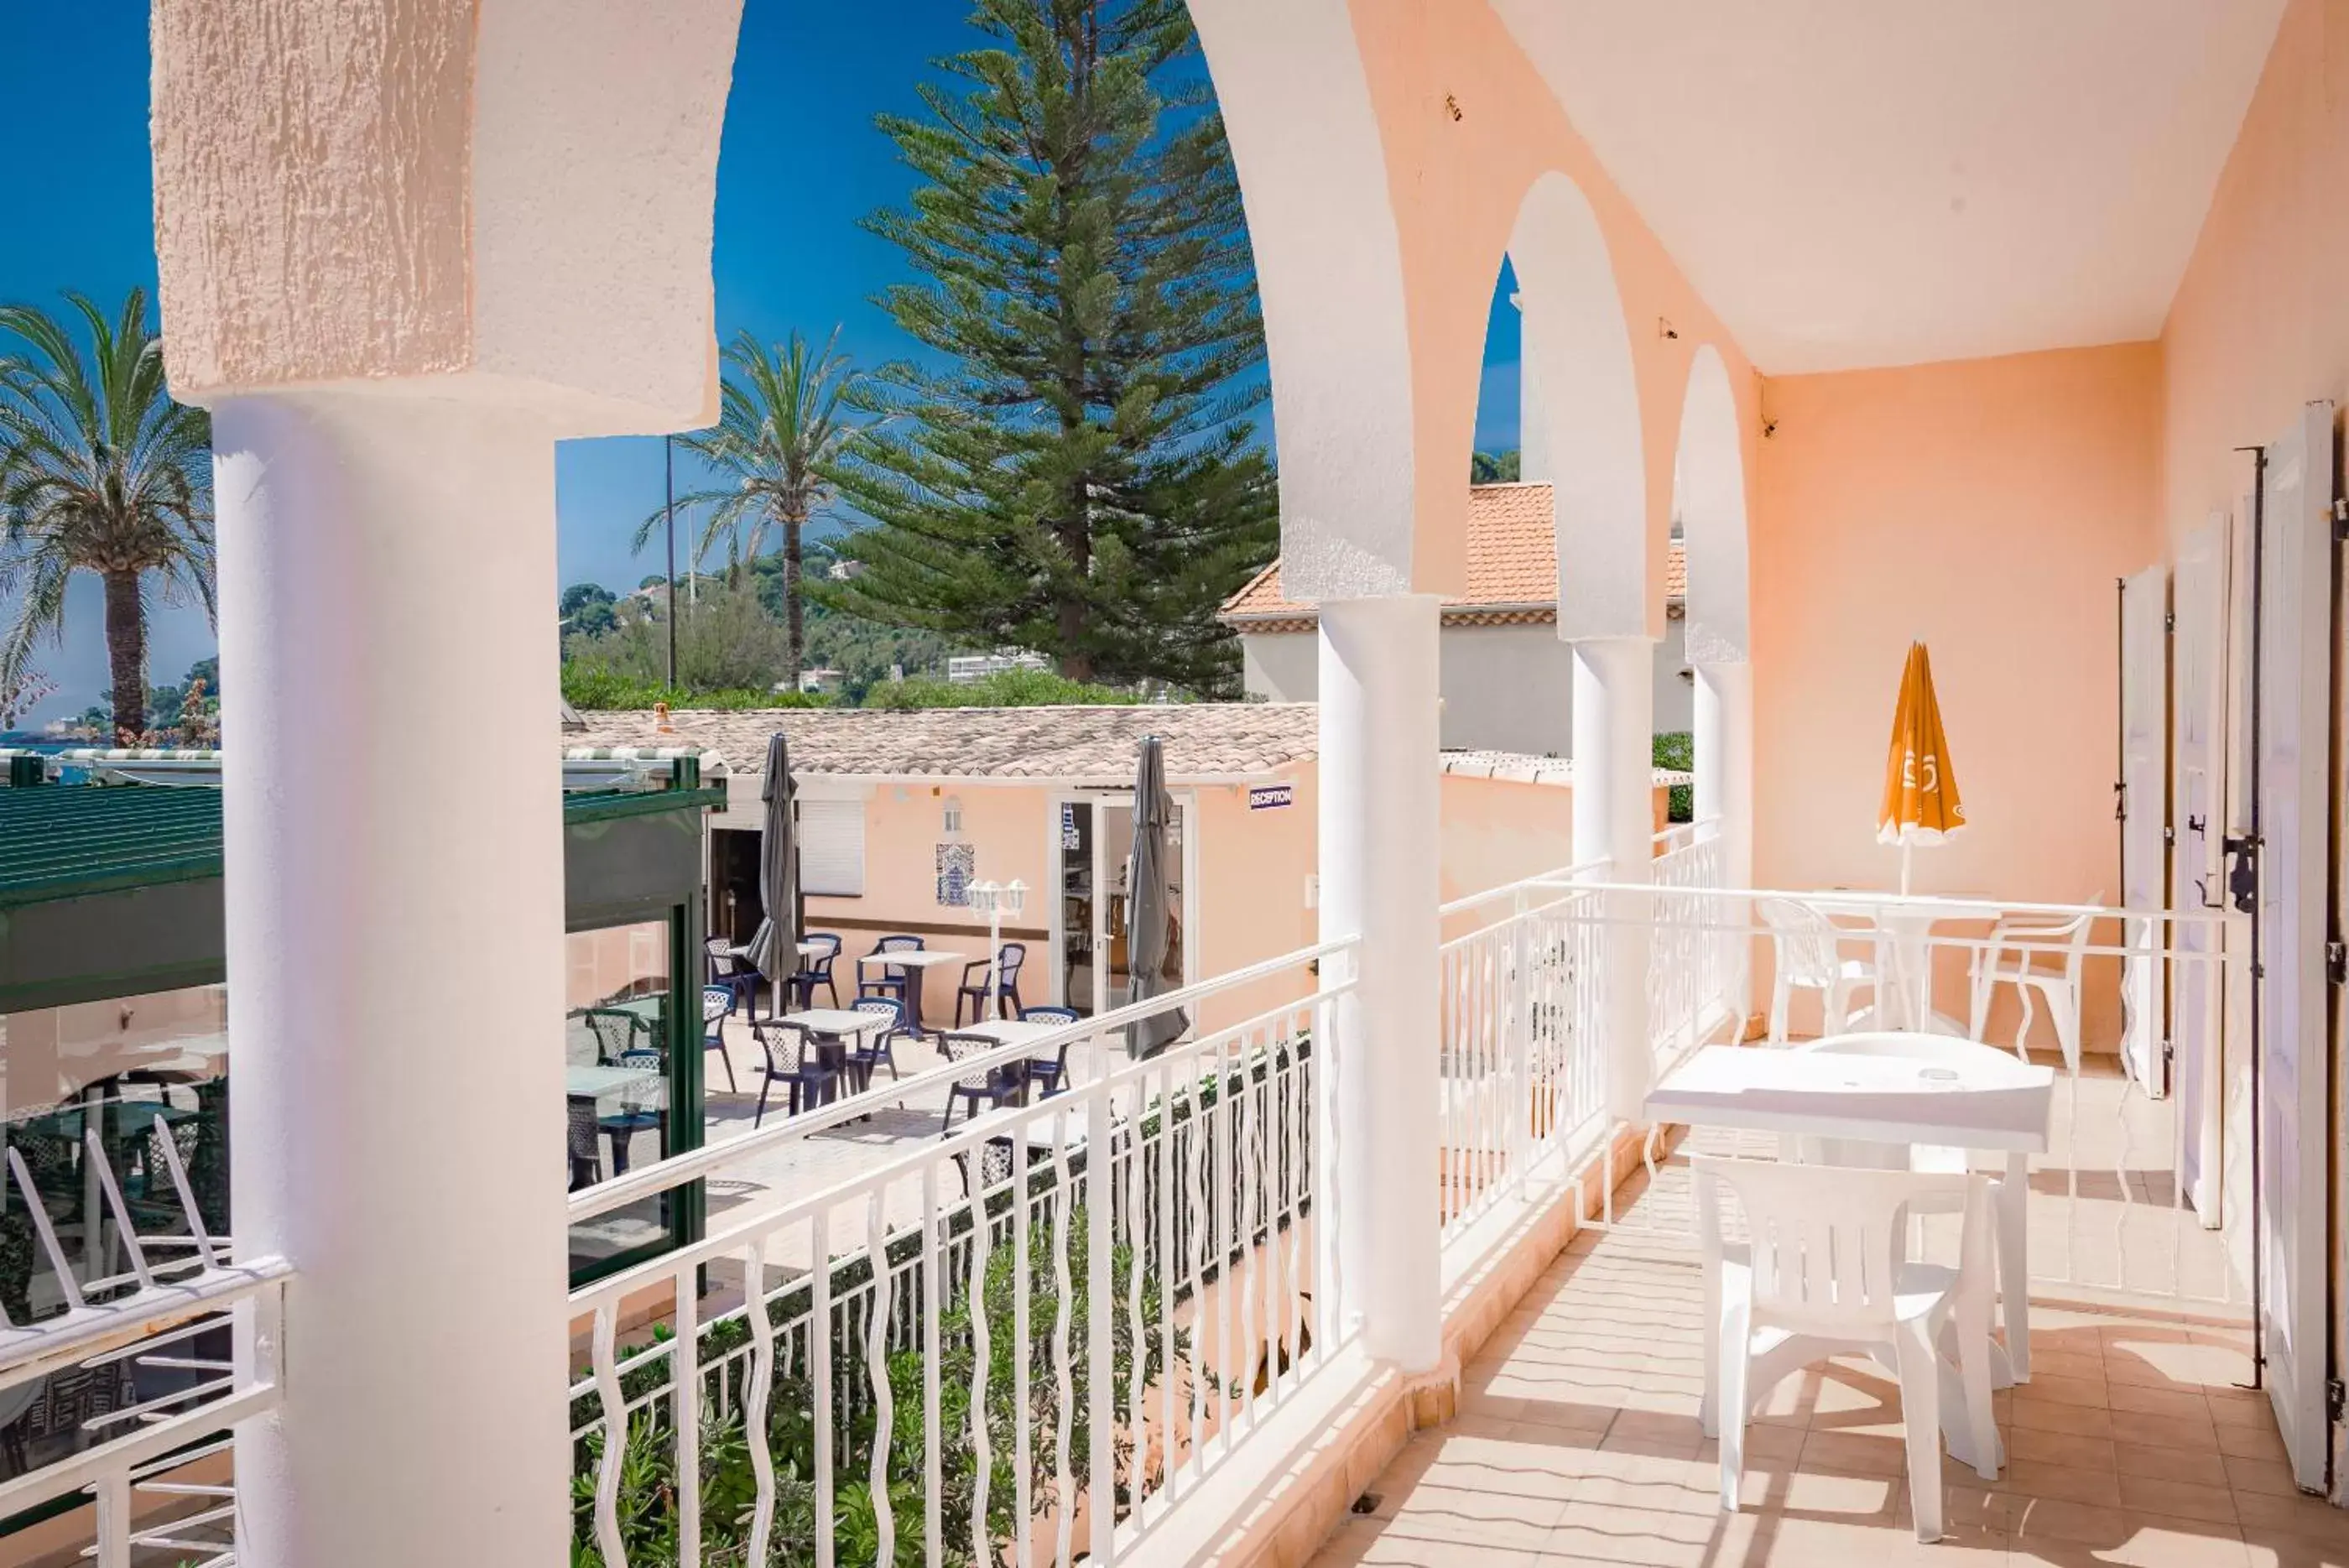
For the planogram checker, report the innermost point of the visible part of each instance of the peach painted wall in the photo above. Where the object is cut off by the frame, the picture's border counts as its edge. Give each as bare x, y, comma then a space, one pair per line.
904, 825
1986, 506
1456, 185
2260, 321
1252, 867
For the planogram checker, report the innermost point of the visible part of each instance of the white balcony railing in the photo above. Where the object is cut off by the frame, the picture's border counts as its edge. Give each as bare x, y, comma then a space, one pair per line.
178, 1307
1033, 1336
1039, 1336
1522, 1067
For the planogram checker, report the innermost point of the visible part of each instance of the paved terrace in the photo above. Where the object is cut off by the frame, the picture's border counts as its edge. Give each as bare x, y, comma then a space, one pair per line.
1578, 1441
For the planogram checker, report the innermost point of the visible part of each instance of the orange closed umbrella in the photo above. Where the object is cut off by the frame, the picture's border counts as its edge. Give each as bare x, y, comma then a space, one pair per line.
1920, 791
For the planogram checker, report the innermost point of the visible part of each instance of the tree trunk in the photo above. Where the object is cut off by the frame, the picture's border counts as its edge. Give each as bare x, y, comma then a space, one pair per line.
794, 620
126, 653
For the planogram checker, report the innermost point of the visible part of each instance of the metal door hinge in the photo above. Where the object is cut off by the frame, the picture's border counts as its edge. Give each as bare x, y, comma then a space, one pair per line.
2336, 1399
2336, 962
2341, 519
2169, 834
2170, 621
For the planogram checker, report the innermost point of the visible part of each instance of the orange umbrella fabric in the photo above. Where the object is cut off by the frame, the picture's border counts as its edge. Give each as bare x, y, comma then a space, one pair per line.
1920, 791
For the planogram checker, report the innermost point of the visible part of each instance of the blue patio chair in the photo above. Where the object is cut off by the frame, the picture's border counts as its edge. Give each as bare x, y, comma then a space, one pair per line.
717, 1004
730, 970
791, 1059
995, 1157
818, 971
878, 1047
1050, 1073
893, 979
625, 1124
1007, 960
993, 1086
587, 1164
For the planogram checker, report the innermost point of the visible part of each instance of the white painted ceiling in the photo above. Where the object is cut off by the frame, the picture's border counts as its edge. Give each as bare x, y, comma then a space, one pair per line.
1854, 182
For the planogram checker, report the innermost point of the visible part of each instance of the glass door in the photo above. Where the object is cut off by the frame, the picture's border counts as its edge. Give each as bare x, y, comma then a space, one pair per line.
1093, 856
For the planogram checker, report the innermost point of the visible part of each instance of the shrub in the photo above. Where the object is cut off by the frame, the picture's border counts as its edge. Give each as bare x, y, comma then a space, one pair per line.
1005, 688
592, 688
1676, 750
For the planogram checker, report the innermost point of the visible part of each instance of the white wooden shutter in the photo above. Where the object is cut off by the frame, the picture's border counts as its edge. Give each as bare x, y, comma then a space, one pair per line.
832, 847
2145, 810
2197, 793
2295, 594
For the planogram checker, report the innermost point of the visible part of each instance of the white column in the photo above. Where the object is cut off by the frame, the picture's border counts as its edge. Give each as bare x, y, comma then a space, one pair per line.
1380, 880
1614, 819
1724, 789
395, 959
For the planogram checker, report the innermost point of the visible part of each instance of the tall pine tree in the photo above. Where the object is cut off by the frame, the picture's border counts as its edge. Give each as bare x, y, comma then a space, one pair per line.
1076, 471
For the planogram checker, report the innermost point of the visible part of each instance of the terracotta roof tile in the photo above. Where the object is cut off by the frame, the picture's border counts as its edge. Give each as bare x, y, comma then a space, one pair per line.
1088, 745
1512, 560
1203, 740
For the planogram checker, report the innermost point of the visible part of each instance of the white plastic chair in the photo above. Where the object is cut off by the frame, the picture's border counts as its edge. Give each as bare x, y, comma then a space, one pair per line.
2009, 1188
2042, 953
1808, 953
1827, 1269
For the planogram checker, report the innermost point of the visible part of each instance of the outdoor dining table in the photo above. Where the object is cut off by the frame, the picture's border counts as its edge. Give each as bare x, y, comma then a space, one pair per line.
600, 1082
829, 1029
1907, 928
1971, 1097
917, 960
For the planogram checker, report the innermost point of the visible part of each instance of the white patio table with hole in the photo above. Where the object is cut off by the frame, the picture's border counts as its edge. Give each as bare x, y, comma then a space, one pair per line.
1971, 1097
1907, 929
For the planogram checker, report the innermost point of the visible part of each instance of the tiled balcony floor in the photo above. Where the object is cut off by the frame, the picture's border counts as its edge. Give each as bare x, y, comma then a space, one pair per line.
1578, 1444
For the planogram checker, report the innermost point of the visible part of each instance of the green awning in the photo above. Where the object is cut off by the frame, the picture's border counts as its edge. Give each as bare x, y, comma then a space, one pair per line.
114, 890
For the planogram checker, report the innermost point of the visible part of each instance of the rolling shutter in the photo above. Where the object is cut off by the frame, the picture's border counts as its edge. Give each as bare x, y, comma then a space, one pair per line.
832, 847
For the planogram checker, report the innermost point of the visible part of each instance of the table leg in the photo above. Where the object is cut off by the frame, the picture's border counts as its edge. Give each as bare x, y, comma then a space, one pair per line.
2014, 1264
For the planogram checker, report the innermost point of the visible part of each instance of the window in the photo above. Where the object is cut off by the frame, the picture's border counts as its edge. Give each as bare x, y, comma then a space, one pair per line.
832, 847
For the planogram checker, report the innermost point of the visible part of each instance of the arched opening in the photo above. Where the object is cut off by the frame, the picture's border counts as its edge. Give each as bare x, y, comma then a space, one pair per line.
1709, 512
1709, 506
1579, 412
1306, 146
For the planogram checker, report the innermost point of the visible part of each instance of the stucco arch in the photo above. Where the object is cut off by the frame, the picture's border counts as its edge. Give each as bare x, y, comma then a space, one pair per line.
1306, 143
1581, 429
1709, 499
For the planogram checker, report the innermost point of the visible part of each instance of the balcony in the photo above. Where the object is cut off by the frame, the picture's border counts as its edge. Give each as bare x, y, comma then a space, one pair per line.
1128, 1321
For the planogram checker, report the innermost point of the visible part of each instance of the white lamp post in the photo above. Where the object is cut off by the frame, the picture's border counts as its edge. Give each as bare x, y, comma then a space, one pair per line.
996, 899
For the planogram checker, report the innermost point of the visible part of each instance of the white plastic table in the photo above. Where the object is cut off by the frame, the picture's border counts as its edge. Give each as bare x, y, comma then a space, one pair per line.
1994, 1101
917, 960
599, 1082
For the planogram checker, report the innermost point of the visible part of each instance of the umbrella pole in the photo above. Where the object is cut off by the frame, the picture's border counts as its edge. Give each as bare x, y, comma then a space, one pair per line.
1905, 847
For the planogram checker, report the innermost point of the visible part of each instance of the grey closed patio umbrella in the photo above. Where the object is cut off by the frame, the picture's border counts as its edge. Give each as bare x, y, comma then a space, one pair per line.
1153, 956
774, 948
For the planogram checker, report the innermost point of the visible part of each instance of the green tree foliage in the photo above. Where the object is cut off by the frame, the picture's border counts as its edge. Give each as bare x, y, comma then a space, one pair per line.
1071, 468
187, 714
781, 422
1005, 688
725, 639
100, 471
588, 609
1493, 467
863, 651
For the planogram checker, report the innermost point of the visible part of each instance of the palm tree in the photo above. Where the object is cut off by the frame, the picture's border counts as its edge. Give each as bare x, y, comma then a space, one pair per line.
100, 471
779, 426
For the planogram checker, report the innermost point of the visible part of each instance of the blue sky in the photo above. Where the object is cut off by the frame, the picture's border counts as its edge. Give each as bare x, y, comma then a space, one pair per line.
801, 164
